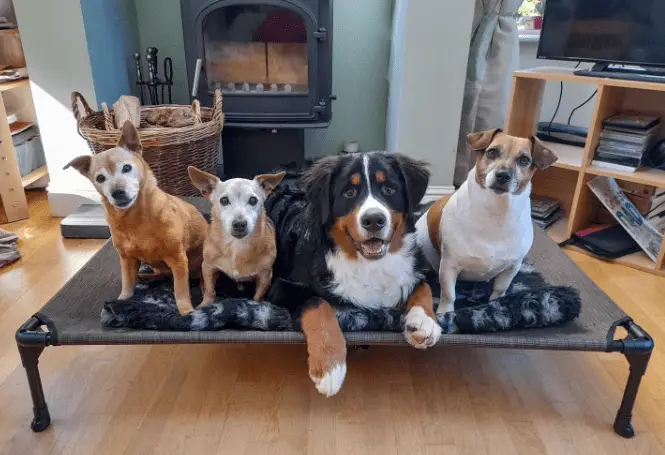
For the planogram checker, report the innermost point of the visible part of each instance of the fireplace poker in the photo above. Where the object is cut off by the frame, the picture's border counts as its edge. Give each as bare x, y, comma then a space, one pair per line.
151, 57
168, 77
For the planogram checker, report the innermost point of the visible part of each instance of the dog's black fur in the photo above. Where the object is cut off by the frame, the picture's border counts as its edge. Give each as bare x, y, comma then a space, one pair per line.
305, 207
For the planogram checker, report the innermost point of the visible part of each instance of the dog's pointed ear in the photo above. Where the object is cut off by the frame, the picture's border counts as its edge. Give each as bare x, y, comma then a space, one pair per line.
268, 182
81, 164
317, 186
129, 138
542, 156
416, 178
203, 181
481, 140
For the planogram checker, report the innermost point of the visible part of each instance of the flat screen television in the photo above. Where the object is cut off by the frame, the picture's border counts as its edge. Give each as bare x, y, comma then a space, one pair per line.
625, 32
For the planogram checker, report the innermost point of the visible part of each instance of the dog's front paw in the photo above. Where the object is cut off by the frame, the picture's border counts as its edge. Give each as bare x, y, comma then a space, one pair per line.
184, 308
329, 382
124, 295
420, 330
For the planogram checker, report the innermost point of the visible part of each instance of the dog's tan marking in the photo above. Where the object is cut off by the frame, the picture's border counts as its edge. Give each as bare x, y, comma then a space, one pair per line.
344, 227
380, 176
269, 181
434, 222
422, 297
202, 180
509, 150
355, 178
326, 346
398, 230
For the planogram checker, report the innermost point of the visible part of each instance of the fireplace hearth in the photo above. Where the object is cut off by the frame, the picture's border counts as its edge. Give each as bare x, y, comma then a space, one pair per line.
272, 59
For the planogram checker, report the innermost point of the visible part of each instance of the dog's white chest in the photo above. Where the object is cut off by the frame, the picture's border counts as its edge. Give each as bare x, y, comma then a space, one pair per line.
374, 284
480, 243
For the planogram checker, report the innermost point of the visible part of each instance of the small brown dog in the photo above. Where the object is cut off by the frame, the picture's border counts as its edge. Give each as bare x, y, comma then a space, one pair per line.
147, 225
241, 242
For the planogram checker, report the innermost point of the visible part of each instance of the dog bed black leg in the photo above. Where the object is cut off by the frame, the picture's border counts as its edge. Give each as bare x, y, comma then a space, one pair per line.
638, 366
637, 348
31, 340
30, 359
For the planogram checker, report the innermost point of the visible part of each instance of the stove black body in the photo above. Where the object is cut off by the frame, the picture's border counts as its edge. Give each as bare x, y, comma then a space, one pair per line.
273, 61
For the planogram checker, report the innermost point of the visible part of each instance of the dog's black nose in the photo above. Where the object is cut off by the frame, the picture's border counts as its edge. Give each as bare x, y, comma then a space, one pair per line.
239, 225
503, 176
119, 194
373, 220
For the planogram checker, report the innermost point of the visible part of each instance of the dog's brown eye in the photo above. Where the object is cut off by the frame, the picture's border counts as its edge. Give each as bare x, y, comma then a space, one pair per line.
126, 168
100, 178
224, 201
387, 190
350, 193
524, 161
253, 200
492, 154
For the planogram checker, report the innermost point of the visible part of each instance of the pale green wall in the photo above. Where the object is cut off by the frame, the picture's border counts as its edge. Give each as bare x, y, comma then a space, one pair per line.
361, 53
160, 25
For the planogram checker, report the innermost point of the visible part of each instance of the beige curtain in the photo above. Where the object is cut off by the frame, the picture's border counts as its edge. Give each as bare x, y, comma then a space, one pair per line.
493, 56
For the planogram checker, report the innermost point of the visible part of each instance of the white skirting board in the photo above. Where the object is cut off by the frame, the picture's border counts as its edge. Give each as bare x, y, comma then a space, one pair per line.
435, 192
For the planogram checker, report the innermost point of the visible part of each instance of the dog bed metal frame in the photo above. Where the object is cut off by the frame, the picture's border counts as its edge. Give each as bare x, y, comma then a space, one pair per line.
69, 318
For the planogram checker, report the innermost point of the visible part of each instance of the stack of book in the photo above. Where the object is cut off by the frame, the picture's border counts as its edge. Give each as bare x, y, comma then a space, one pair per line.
545, 211
624, 141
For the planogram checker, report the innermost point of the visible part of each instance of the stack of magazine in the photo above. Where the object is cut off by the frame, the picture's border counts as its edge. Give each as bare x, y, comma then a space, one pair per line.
624, 141
545, 211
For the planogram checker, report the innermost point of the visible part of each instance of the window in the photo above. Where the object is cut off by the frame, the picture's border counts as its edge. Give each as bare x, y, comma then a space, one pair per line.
530, 15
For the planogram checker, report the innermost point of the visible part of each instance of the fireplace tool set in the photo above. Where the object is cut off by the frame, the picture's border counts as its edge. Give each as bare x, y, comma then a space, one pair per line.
154, 84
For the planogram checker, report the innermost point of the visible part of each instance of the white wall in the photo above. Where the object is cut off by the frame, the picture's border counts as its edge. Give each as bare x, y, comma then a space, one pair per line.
56, 53
428, 70
573, 94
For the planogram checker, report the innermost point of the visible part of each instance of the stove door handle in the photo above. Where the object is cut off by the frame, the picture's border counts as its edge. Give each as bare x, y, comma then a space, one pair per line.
197, 76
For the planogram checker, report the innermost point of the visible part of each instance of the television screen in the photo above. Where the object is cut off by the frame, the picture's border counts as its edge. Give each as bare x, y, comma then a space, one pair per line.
630, 32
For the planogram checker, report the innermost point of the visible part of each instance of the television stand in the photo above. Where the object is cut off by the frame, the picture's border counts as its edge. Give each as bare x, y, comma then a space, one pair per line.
631, 73
566, 180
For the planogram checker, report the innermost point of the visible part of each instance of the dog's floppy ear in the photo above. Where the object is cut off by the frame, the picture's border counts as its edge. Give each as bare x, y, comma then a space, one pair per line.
542, 156
268, 182
416, 177
129, 138
317, 185
481, 140
81, 164
203, 181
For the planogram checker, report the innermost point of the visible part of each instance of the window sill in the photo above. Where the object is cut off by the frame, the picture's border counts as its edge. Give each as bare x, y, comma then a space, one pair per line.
529, 36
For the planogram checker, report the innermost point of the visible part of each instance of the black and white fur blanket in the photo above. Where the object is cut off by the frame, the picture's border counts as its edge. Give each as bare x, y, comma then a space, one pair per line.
529, 303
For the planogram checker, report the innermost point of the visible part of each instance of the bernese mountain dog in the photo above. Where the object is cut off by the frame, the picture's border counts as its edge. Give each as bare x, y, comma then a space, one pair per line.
346, 233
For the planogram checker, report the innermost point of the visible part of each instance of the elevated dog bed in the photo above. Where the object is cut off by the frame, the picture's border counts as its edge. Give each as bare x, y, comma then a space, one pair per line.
72, 317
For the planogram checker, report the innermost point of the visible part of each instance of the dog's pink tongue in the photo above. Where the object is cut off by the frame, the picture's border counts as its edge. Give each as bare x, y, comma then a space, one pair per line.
372, 247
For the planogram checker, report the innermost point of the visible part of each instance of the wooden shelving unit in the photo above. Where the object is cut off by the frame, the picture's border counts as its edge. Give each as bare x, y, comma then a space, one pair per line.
567, 179
18, 96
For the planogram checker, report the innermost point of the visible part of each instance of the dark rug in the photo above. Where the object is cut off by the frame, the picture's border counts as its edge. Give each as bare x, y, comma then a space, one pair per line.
529, 303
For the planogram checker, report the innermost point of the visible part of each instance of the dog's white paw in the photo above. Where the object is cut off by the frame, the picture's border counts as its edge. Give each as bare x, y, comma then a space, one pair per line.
331, 381
445, 306
420, 330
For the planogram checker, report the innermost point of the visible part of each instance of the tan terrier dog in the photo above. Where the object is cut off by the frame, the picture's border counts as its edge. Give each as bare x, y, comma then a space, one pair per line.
241, 242
147, 225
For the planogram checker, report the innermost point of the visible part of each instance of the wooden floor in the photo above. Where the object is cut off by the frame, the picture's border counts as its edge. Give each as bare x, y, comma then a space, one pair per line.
258, 399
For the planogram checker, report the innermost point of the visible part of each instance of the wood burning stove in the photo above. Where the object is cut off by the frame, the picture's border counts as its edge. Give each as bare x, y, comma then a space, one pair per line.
271, 58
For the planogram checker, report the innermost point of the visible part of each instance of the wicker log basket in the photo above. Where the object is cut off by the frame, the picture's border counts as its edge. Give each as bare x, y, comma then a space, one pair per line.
168, 151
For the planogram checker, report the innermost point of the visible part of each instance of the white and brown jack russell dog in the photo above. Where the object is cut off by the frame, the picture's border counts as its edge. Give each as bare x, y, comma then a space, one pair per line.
484, 230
